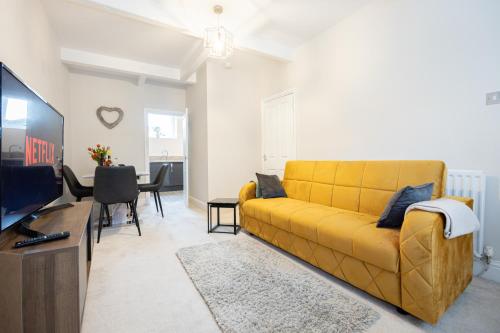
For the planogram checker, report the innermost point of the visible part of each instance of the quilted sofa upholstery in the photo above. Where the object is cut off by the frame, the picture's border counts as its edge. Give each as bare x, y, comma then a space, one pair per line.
329, 220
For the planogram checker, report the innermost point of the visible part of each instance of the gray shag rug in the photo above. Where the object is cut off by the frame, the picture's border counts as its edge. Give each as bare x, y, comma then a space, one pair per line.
251, 288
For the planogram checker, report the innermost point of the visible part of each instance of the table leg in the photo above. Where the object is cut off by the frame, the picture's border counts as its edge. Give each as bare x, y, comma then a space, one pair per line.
208, 217
129, 213
218, 216
234, 219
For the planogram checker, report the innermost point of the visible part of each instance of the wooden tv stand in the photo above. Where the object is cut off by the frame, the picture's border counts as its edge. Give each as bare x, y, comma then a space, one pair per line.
43, 287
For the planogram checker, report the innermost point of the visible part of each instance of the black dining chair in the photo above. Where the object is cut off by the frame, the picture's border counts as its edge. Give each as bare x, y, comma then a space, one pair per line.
77, 190
156, 185
116, 185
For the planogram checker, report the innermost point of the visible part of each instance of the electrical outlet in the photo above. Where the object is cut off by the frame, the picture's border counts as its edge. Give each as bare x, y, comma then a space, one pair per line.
489, 251
493, 98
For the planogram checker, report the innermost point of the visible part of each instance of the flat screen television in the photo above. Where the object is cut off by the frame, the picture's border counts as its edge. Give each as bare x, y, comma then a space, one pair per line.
32, 149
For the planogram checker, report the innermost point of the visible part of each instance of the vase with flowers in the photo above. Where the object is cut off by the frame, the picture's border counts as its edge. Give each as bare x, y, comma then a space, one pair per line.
101, 154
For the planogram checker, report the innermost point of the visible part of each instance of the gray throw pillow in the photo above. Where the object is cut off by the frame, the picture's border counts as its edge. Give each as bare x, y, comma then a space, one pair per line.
258, 191
270, 186
394, 212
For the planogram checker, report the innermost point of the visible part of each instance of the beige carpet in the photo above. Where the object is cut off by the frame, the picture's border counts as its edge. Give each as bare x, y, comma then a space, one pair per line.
137, 284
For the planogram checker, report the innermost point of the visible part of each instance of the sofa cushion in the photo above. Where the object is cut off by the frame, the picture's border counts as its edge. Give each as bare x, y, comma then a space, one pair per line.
337, 231
304, 223
280, 215
274, 211
360, 186
377, 246
351, 233
261, 208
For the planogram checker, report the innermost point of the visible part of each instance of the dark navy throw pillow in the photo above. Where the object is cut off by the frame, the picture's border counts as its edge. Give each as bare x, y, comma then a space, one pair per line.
394, 212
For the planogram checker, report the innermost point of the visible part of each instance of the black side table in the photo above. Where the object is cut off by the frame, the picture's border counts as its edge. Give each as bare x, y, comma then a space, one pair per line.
222, 203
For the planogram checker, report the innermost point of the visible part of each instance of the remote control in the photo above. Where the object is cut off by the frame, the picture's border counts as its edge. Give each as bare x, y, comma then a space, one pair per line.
42, 239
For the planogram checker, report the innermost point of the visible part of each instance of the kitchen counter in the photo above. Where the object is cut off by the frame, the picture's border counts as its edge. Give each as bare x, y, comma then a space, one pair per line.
168, 159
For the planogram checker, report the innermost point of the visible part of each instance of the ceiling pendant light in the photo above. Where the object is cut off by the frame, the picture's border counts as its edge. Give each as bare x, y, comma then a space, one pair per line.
218, 40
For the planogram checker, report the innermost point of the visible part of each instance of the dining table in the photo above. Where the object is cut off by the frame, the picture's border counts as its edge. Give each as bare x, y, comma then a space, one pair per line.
138, 174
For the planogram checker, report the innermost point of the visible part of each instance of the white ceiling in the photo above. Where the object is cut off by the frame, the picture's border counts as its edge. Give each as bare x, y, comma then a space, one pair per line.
168, 32
94, 30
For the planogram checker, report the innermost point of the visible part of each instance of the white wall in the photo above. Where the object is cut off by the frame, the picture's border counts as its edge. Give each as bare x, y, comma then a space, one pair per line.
405, 79
196, 102
224, 122
234, 118
175, 147
127, 140
30, 49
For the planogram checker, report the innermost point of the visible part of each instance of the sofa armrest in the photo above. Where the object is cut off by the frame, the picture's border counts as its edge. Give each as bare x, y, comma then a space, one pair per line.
247, 192
434, 270
468, 201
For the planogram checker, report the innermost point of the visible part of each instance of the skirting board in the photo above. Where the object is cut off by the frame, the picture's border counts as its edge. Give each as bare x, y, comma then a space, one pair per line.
197, 203
493, 272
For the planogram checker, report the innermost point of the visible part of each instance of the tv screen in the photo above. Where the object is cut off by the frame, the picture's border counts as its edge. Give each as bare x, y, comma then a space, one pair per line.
31, 151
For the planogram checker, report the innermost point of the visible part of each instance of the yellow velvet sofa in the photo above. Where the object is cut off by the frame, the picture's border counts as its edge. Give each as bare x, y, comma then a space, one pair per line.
329, 220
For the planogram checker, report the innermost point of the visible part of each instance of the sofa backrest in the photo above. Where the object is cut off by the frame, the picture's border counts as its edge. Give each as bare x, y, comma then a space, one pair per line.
361, 186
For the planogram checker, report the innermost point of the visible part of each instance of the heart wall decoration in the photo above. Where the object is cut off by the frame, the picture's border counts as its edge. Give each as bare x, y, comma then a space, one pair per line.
106, 123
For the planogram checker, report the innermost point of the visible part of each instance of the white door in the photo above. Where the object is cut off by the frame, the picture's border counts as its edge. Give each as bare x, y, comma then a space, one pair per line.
278, 133
185, 125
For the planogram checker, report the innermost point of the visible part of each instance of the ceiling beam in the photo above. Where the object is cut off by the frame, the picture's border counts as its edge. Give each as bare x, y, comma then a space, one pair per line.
140, 11
137, 10
193, 59
141, 80
116, 65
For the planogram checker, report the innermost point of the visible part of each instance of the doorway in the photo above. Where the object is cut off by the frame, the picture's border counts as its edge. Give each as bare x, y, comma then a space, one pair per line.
166, 141
278, 132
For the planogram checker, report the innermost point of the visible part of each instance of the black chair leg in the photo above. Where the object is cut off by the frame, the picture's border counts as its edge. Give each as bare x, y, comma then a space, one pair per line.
108, 216
159, 203
101, 217
156, 201
78, 199
135, 217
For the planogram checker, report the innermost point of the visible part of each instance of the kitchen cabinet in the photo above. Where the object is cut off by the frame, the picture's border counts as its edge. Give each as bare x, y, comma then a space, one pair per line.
174, 180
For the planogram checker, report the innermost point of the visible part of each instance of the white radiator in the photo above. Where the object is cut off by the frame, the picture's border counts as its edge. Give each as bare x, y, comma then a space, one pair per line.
472, 184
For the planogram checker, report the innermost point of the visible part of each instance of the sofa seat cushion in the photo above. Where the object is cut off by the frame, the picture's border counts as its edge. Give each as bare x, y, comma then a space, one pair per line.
337, 231
305, 222
279, 212
260, 209
352, 233
377, 246
280, 215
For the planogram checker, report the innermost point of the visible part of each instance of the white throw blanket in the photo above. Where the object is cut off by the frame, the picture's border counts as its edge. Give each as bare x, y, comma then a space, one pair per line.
460, 220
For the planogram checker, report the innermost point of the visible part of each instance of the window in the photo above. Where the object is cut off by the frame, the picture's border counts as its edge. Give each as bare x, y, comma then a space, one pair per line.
162, 126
